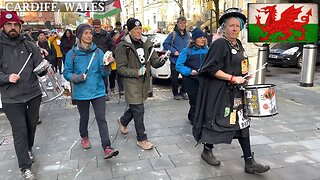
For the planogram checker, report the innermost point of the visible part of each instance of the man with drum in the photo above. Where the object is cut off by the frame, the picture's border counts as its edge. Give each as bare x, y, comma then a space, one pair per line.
220, 111
19, 86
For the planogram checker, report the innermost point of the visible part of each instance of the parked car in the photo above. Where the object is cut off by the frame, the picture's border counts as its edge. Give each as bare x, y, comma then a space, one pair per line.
287, 54
164, 71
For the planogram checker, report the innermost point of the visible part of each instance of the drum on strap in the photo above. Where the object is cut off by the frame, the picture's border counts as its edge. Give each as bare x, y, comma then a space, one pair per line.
261, 100
50, 86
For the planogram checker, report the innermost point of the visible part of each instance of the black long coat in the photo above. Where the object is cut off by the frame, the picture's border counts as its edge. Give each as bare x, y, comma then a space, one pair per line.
215, 94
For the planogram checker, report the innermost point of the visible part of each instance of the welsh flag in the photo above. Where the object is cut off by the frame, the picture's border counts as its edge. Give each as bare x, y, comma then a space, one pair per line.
112, 7
295, 22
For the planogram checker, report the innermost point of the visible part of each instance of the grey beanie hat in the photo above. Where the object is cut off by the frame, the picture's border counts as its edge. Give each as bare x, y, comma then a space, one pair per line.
81, 28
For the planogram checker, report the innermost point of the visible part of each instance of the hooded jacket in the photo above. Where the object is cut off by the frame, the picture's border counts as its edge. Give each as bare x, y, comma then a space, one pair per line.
136, 87
14, 55
76, 63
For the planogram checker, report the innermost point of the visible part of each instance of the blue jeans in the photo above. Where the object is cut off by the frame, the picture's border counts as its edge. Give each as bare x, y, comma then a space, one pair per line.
99, 107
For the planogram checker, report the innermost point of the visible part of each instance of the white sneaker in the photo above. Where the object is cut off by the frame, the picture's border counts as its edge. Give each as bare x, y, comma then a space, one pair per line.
28, 175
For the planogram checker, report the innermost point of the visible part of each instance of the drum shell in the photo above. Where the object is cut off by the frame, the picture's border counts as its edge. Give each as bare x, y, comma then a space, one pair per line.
50, 86
261, 100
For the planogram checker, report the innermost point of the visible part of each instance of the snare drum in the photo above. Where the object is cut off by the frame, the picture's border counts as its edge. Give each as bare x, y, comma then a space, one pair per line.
261, 100
50, 86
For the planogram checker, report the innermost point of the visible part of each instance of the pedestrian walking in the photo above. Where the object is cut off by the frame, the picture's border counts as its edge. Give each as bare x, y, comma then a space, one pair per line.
49, 52
221, 112
86, 69
68, 40
175, 42
188, 64
134, 60
20, 90
104, 42
54, 39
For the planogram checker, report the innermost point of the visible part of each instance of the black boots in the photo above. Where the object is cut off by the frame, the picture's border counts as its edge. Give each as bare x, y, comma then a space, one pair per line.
209, 157
252, 166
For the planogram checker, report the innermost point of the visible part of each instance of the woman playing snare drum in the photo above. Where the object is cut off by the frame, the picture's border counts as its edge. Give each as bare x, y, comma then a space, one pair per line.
220, 111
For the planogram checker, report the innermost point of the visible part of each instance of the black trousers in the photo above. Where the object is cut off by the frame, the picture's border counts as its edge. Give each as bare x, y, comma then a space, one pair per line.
192, 88
23, 118
136, 112
174, 81
112, 79
119, 80
99, 107
105, 80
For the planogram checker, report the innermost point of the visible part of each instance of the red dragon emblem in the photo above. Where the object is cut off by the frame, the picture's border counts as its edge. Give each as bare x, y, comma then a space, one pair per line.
284, 24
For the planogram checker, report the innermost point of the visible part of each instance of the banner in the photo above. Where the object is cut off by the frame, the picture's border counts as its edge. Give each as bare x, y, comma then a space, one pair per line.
112, 7
283, 22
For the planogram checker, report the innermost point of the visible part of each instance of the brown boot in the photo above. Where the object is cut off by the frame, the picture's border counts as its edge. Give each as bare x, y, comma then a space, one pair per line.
252, 166
209, 157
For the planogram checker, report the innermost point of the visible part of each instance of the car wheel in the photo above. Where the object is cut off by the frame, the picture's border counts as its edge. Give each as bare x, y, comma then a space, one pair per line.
299, 62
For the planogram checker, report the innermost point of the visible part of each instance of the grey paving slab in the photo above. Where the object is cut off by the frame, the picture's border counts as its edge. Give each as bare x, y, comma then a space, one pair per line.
161, 163
146, 154
311, 144
69, 166
88, 163
287, 147
131, 168
228, 154
186, 159
283, 137
189, 172
98, 173
260, 139
262, 150
220, 178
298, 172
313, 154
169, 150
155, 175
226, 168
285, 159
270, 175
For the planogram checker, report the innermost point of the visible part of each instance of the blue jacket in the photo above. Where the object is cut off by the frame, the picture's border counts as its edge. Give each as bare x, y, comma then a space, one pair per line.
190, 59
179, 43
76, 63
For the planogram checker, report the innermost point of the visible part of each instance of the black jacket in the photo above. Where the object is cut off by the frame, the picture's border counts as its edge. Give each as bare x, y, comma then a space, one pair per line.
103, 40
14, 55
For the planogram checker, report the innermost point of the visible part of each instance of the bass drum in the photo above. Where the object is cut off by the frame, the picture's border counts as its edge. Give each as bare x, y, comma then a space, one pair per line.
261, 100
50, 86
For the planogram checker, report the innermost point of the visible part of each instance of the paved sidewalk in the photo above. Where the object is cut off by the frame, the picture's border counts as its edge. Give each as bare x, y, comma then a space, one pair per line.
289, 142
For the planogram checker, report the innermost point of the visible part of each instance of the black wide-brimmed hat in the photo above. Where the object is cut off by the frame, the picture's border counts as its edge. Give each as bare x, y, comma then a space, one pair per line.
232, 12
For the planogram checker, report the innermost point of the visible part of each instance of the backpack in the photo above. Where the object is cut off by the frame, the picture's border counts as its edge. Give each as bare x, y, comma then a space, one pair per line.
174, 34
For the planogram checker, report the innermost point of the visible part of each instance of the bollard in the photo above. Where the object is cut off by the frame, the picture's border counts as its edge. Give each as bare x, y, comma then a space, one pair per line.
260, 76
308, 65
